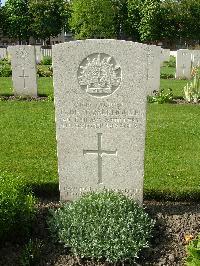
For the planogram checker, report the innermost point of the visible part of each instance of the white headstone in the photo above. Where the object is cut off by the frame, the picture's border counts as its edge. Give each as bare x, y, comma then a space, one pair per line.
183, 64
38, 53
153, 81
100, 104
3, 53
164, 55
195, 58
23, 64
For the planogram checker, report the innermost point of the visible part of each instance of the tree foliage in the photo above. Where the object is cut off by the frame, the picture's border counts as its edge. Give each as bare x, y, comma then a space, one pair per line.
139, 20
17, 22
134, 18
48, 17
149, 23
92, 19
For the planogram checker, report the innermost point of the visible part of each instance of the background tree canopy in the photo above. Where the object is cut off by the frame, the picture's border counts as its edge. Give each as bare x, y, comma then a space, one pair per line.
138, 20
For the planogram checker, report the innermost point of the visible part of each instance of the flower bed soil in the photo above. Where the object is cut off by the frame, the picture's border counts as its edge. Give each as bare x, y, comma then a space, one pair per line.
173, 222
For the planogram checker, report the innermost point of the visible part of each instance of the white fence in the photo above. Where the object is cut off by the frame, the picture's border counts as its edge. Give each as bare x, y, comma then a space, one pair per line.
46, 52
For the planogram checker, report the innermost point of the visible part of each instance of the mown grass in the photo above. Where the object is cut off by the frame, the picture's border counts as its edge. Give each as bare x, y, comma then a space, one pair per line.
172, 161
172, 153
176, 86
45, 86
28, 143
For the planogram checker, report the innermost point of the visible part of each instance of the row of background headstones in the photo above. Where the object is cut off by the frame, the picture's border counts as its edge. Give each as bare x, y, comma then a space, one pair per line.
24, 68
40, 53
24, 59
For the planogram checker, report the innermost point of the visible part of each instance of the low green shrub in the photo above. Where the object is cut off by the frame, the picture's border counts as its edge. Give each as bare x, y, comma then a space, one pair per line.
16, 207
5, 70
102, 226
45, 72
172, 61
161, 97
167, 76
193, 250
47, 60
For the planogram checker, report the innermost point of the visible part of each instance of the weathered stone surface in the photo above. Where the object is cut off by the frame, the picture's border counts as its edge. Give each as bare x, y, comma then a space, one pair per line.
100, 104
153, 81
183, 64
38, 53
165, 55
3, 53
23, 70
195, 58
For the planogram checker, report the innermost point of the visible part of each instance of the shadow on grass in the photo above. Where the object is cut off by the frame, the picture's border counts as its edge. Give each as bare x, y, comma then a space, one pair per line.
167, 195
46, 190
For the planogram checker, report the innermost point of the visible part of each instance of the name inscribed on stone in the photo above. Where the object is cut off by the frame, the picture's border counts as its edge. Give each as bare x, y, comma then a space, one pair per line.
102, 115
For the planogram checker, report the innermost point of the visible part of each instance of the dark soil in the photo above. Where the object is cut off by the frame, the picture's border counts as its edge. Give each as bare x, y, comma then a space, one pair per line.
174, 221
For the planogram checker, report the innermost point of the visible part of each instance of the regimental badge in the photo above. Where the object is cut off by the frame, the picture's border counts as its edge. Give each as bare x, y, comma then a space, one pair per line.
99, 75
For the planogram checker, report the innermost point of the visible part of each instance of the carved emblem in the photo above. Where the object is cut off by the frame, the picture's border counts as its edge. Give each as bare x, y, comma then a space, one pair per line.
99, 75
21, 52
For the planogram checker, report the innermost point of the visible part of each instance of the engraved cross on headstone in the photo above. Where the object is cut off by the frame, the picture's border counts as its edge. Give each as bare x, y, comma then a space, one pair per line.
100, 153
24, 77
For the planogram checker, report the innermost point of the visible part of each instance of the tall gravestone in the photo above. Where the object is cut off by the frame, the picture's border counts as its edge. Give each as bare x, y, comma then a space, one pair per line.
3, 53
24, 73
100, 106
195, 58
153, 80
183, 64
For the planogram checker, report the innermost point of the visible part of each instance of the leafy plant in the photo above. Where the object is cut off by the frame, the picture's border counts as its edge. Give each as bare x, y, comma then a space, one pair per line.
167, 76
192, 89
5, 68
32, 253
45, 72
161, 97
193, 250
16, 207
102, 226
47, 60
172, 62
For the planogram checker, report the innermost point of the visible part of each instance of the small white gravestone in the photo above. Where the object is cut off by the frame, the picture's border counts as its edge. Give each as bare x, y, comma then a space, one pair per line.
3, 53
166, 55
195, 58
183, 64
23, 70
38, 53
153, 77
100, 104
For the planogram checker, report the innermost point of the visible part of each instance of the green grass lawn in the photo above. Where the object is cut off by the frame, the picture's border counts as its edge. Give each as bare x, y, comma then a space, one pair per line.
172, 160
45, 86
28, 143
167, 70
176, 86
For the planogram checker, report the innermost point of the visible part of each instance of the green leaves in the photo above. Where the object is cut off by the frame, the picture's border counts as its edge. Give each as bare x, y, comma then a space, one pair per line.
193, 250
103, 225
192, 89
16, 207
92, 19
